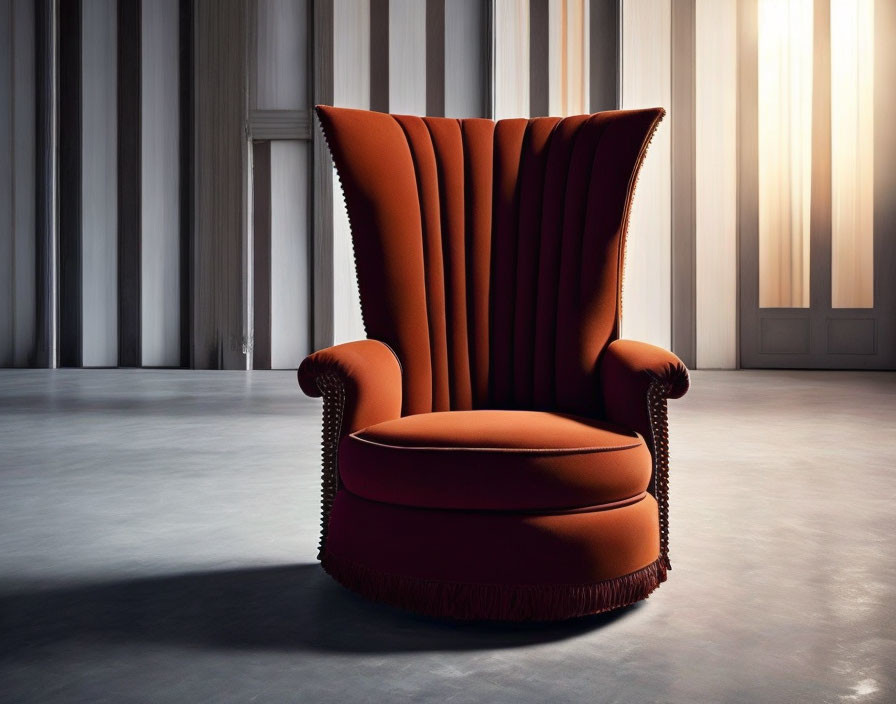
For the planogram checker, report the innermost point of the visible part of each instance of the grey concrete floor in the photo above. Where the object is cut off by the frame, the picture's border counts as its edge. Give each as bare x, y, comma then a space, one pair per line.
158, 533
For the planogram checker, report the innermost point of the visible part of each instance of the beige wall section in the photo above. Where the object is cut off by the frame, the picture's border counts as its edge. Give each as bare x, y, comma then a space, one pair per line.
716, 183
351, 88
785, 51
568, 49
511, 89
647, 82
852, 153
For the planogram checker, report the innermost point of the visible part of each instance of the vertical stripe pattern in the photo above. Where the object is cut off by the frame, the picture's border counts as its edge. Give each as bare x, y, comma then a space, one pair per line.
560, 192
129, 168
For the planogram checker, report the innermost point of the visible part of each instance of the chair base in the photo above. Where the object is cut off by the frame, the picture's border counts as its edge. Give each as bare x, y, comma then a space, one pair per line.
498, 566
458, 601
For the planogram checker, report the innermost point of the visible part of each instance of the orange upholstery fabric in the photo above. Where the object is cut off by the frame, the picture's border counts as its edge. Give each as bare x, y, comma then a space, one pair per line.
371, 375
495, 460
493, 547
627, 369
489, 256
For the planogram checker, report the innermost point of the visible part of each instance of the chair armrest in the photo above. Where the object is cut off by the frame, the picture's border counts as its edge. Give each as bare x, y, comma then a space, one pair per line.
636, 379
365, 376
628, 370
361, 385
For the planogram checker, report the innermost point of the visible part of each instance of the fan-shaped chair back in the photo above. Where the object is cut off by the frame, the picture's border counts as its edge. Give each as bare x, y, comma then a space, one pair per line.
490, 254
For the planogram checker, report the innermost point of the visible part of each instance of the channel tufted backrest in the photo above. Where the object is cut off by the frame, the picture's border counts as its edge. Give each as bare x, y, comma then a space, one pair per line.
489, 255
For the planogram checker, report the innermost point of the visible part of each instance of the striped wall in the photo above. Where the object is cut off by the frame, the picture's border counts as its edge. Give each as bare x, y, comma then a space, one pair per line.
403, 56
681, 271
125, 203
465, 58
280, 90
95, 236
126, 251
647, 82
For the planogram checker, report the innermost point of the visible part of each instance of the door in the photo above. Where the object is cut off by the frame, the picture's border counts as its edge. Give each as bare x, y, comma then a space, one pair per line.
817, 192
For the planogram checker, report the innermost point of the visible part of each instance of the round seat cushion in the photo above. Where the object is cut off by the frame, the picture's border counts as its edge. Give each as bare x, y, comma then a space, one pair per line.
496, 460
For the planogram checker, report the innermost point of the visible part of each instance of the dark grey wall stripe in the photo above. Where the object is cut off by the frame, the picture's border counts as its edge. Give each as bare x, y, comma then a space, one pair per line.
683, 124
604, 31
467, 52
185, 152
70, 314
261, 231
379, 55
435, 58
129, 161
322, 175
46, 66
8, 182
221, 96
539, 58
18, 122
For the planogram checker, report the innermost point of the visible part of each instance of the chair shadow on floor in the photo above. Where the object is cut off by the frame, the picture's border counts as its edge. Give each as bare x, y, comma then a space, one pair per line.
272, 608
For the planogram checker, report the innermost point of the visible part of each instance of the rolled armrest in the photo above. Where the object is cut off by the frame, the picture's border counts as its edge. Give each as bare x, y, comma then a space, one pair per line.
628, 370
636, 379
369, 375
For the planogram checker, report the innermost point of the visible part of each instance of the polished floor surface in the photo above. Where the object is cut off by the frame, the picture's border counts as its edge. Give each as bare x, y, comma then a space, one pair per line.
158, 533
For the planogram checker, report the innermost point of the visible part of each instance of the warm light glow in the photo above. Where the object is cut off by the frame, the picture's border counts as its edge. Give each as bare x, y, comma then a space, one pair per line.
568, 67
785, 151
852, 153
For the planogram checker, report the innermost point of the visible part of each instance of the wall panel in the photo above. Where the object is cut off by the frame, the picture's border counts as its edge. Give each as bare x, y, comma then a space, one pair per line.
282, 45
290, 288
603, 44
22, 156
46, 181
568, 86
467, 58
65, 160
351, 88
684, 204
160, 184
99, 185
322, 177
716, 183
407, 57
220, 263
646, 82
511, 71
261, 254
7, 192
17, 186
130, 108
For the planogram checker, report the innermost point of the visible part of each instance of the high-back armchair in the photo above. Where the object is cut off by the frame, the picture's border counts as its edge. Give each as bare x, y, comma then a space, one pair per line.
493, 450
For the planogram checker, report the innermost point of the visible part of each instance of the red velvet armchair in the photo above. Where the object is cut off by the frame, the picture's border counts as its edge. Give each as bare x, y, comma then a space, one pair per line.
493, 451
